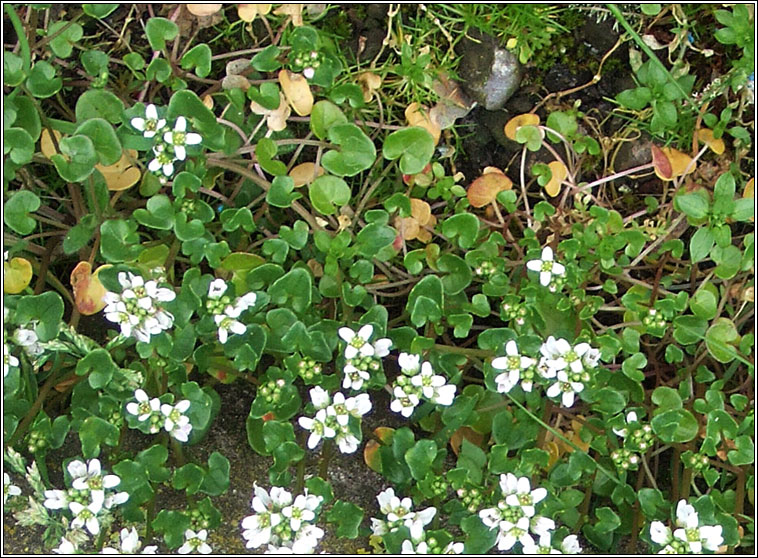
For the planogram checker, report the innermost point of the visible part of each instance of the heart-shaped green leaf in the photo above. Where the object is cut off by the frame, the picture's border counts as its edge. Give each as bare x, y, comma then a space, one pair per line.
356, 152
328, 191
414, 146
199, 58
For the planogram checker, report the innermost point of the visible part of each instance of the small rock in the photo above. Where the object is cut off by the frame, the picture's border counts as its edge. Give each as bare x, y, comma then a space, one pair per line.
490, 75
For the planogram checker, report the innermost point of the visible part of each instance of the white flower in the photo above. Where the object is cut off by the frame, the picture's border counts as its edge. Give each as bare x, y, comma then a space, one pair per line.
417, 521
115, 499
217, 288
553, 350
177, 423
710, 536
56, 499
453, 548
145, 407
358, 405
491, 517
408, 548
9, 489
151, 124
317, 427
382, 347
410, 364
545, 546
524, 497
346, 442
566, 387
354, 377
94, 480
226, 324
241, 304
320, 397
541, 525
387, 500
546, 267
427, 380
570, 545
195, 542
444, 395
130, 544
631, 417
403, 403
164, 161
686, 516
307, 539
179, 137
510, 533
301, 510
257, 528
27, 338
66, 547
138, 308
512, 364
8, 360
659, 533
86, 516
357, 343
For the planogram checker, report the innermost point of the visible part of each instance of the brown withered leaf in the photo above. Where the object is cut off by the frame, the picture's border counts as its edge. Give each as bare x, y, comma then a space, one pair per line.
467, 433
297, 91
519, 120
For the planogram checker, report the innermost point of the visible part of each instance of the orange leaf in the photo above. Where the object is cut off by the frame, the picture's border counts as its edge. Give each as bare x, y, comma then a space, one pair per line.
372, 457
559, 174
88, 290
297, 91
385, 434
17, 274
519, 120
485, 189
706, 136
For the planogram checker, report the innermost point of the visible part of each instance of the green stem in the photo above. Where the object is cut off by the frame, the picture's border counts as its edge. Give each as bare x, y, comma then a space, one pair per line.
646, 49
18, 27
326, 455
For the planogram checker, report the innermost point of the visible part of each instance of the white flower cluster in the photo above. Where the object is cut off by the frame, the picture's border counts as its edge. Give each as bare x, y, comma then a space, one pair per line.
362, 356
637, 437
171, 144
87, 499
225, 311
567, 367
138, 308
418, 381
286, 526
171, 417
336, 417
399, 513
129, 543
515, 516
689, 536
551, 272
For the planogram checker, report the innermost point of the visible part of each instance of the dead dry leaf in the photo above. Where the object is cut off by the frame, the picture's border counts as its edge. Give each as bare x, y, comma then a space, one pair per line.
46, 143
88, 290
418, 115
203, 10
519, 120
276, 120
247, 12
297, 91
122, 174
706, 136
485, 189
670, 163
304, 173
559, 173
369, 82
295, 11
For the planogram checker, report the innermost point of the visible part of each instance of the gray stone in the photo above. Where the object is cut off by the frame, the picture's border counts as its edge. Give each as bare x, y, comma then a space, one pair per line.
489, 74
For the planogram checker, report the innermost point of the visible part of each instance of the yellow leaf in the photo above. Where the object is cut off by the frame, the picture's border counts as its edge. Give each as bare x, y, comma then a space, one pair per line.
748, 192
247, 12
680, 162
202, 10
559, 172
208, 101
519, 120
297, 91
122, 174
46, 142
304, 173
88, 290
485, 189
17, 274
418, 115
706, 136
295, 11
421, 211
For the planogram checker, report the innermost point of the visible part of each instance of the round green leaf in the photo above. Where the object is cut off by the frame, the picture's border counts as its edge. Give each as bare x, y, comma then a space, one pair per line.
19, 145
42, 81
199, 58
675, 426
99, 11
159, 30
98, 103
323, 116
16, 211
328, 191
414, 146
81, 155
356, 152
721, 338
104, 138
68, 33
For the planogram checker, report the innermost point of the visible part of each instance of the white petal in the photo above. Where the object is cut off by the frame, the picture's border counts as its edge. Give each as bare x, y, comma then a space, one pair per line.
547, 254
